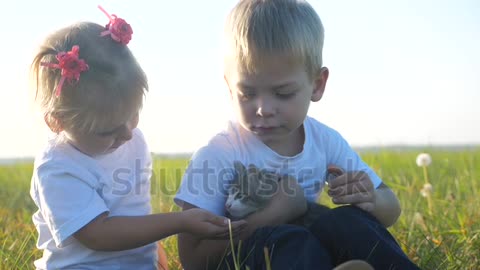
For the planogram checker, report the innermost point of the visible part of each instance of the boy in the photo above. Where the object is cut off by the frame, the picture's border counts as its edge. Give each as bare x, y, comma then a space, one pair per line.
273, 69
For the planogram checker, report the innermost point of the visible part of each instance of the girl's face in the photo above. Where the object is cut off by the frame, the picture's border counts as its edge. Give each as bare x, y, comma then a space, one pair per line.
106, 140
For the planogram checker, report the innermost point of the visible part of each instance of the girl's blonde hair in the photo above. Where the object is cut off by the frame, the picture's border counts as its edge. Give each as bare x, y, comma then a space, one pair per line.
258, 29
111, 90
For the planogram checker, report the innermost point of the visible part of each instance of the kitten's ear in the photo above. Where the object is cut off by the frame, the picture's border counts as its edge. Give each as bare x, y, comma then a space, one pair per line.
252, 183
269, 177
240, 172
239, 168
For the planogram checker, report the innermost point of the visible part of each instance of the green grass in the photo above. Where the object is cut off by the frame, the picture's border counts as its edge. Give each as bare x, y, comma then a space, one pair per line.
448, 238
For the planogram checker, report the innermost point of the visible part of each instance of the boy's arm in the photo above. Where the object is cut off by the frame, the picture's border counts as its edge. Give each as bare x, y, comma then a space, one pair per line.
386, 206
357, 189
357, 185
286, 205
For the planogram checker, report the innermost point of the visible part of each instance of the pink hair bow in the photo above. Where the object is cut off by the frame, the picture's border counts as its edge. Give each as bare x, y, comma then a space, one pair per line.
70, 65
117, 28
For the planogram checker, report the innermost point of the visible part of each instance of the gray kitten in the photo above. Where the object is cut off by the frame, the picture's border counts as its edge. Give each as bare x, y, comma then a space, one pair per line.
252, 189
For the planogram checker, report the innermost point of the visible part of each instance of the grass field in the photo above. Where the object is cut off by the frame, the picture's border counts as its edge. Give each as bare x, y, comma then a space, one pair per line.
445, 235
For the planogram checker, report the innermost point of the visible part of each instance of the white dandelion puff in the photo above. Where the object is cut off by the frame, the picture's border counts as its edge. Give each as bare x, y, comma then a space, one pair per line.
428, 187
426, 190
424, 160
418, 219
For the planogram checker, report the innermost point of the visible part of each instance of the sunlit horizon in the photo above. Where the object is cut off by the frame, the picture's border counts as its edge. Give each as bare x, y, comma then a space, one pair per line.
402, 73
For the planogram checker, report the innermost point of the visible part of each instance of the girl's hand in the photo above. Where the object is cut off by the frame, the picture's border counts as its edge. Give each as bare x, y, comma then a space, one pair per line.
204, 224
351, 188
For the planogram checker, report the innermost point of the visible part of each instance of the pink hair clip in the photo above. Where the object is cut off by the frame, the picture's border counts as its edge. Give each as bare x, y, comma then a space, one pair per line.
70, 65
117, 28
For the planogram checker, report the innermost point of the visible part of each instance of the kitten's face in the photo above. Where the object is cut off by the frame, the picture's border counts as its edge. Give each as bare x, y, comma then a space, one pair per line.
248, 194
239, 204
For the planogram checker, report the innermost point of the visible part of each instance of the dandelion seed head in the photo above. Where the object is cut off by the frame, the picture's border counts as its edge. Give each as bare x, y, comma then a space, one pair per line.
418, 219
424, 159
426, 190
428, 187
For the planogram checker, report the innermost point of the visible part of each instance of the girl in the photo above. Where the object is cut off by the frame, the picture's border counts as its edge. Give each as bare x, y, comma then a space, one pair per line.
91, 183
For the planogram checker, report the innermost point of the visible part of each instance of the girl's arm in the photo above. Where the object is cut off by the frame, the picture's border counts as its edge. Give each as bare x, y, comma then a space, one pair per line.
126, 232
286, 205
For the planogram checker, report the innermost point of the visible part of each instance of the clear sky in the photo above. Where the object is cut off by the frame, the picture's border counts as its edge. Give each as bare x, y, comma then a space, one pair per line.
401, 71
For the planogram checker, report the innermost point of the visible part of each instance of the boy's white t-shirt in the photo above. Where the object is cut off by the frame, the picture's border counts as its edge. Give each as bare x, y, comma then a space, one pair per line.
70, 189
210, 171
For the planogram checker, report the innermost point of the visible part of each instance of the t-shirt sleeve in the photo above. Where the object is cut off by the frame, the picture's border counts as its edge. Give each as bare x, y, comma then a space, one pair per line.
205, 180
341, 154
68, 200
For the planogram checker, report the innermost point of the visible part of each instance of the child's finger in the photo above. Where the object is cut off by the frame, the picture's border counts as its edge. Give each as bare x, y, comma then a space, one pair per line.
218, 220
346, 178
334, 171
238, 225
236, 228
340, 181
351, 188
219, 235
366, 206
353, 198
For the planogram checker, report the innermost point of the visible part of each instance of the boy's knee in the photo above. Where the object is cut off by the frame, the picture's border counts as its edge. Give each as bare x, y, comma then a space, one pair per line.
349, 214
292, 232
279, 232
289, 247
290, 235
344, 221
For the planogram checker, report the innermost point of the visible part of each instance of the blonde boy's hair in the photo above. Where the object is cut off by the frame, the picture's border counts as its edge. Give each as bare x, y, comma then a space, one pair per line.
258, 29
110, 91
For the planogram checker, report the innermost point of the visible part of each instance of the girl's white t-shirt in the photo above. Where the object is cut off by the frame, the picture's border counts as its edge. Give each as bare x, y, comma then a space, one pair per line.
70, 189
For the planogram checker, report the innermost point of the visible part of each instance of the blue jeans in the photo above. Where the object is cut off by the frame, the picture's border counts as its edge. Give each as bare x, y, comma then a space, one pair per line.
338, 235
289, 247
348, 233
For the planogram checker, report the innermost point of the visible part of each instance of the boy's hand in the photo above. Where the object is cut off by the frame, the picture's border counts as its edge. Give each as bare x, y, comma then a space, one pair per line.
351, 188
204, 224
283, 197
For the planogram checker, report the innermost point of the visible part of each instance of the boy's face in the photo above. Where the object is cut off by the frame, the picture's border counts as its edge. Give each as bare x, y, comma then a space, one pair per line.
273, 102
